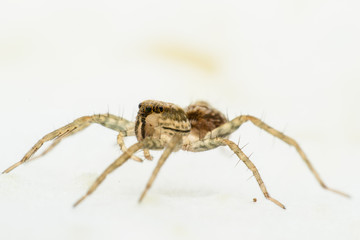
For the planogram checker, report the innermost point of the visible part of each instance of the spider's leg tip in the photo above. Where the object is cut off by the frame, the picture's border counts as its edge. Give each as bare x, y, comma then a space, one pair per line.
12, 167
79, 201
141, 197
276, 202
343, 194
281, 205
76, 204
337, 192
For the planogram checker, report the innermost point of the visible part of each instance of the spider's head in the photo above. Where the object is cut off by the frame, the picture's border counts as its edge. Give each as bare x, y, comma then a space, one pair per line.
160, 119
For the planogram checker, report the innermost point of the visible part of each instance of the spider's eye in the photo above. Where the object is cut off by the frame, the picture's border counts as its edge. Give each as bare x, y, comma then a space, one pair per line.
148, 109
161, 109
139, 105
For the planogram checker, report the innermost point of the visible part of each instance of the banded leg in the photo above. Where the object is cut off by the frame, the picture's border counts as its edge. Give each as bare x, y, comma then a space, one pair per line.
234, 124
168, 150
56, 141
107, 120
207, 144
117, 163
147, 143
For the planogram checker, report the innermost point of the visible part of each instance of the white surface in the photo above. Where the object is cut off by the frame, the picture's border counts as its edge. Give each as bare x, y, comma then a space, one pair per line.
294, 64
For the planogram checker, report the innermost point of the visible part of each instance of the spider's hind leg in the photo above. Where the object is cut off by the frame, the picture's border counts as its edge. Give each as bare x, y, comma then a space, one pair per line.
107, 120
231, 126
257, 122
207, 144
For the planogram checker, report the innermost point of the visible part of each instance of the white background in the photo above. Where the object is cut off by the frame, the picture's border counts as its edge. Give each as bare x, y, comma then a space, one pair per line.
294, 64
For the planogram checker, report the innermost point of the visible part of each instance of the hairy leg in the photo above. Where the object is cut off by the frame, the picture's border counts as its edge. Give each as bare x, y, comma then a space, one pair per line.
107, 120
207, 144
229, 127
117, 163
148, 143
168, 150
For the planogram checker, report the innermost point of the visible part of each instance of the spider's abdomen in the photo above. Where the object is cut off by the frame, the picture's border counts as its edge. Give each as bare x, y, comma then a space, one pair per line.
203, 118
160, 120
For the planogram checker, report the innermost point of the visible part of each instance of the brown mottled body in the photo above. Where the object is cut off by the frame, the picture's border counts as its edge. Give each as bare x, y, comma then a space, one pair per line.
166, 126
203, 118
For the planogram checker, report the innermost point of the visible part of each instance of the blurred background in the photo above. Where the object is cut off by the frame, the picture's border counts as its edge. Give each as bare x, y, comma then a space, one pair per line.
294, 64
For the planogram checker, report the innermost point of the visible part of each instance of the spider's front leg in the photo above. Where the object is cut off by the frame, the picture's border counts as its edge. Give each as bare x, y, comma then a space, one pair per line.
210, 143
107, 120
117, 163
168, 150
147, 143
231, 126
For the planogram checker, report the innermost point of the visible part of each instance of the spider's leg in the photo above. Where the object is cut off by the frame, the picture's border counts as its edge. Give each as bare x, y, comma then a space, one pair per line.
101, 120
55, 142
117, 163
234, 124
107, 120
120, 141
148, 143
235, 148
207, 144
168, 150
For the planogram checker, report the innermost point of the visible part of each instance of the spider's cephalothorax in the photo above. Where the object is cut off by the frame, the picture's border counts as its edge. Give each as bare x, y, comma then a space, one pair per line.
160, 120
161, 125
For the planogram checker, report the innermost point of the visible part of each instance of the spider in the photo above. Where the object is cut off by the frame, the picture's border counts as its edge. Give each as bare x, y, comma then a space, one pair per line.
168, 127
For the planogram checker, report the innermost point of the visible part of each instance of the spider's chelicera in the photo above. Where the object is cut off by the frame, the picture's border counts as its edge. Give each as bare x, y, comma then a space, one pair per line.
166, 126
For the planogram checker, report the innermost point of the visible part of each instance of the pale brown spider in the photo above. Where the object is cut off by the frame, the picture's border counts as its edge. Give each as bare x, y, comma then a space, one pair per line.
161, 125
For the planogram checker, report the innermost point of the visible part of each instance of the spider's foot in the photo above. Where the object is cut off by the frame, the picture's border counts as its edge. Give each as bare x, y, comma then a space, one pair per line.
143, 194
337, 191
276, 202
80, 200
12, 167
141, 197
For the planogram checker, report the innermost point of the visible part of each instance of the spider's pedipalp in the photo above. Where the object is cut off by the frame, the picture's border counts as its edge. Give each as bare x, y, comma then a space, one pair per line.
120, 141
147, 154
107, 120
